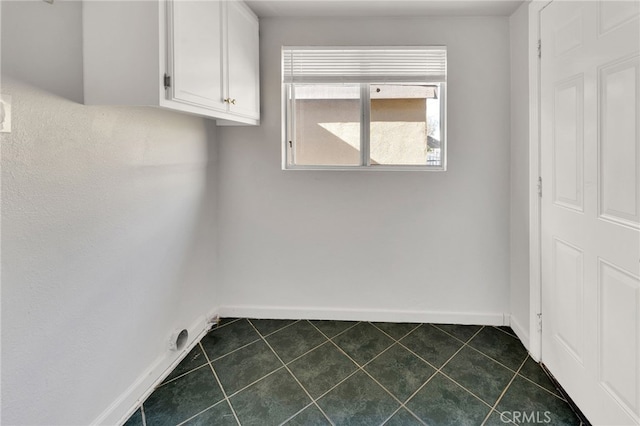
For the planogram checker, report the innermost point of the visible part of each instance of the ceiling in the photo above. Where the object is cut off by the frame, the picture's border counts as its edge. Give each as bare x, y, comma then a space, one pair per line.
370, 8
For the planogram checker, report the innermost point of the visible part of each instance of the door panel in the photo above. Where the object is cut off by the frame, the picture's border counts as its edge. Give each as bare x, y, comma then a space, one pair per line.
619, 333
590, 239
243, 54
568, 168
568, 282
618, 150
196, 53
612, 14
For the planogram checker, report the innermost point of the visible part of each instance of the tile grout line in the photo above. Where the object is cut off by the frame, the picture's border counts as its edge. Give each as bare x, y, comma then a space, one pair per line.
268, 374
224, 393
407, 410
330, 339
201, 412
403, 336
248, 344
472, 393
256, 381
361, 368
235, 350
505, 332
306, 353
261, 338
498, 362
144, 417
293, 376
336, 385
392, 395
495, 360
478, 350
299, 356
391, 416
455, 337
540, 386
517, 372
298, 412
439, 370
273, 332
313, 401
412, 352
166, 382
376, 380
224, 325
342, 332
288, 362
504, 391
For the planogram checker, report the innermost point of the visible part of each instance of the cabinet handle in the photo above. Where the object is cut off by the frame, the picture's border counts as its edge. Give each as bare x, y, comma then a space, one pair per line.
230, 101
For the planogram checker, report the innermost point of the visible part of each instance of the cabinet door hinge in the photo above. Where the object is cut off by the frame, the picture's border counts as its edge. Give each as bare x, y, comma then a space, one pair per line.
167, 81
539, 48
539, 186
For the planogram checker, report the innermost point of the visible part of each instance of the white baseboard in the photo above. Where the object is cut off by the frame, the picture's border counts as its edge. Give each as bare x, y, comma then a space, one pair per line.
381, 315
521, 332
127, 403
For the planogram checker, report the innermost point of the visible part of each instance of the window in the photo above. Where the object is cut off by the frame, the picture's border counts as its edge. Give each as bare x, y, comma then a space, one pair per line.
377, 108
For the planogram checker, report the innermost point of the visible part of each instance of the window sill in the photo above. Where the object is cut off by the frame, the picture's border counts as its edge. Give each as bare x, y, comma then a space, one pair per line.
377, 168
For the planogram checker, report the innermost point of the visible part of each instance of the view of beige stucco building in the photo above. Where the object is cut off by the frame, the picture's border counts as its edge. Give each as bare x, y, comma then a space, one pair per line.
328, 129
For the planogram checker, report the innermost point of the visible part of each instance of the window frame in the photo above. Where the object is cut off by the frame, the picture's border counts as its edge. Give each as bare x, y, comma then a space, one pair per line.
288, 120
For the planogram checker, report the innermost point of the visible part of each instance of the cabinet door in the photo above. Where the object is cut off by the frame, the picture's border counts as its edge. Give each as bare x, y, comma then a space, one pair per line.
243, 65
196, 52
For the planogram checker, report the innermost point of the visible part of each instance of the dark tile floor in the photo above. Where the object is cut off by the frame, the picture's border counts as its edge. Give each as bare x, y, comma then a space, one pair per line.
274, 372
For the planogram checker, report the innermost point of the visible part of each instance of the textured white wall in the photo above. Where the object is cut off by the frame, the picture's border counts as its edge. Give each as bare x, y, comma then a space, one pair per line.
108, 228
393, 245
519, 237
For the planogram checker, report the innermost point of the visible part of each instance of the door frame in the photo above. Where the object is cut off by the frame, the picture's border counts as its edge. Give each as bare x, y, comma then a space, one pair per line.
535, 216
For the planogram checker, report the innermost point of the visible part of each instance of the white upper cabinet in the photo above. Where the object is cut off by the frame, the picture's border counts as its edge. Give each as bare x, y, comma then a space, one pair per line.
196, 53
242, 59
199, 57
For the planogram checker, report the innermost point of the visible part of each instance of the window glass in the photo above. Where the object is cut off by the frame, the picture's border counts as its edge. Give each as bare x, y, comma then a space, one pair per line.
402, 127
327, 124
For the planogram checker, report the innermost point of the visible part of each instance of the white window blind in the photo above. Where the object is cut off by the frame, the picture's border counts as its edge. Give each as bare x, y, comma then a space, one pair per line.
364, 64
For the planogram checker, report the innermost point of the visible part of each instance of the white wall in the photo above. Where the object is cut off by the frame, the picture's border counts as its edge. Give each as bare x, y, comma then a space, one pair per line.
519, 236
375, 245
108, 231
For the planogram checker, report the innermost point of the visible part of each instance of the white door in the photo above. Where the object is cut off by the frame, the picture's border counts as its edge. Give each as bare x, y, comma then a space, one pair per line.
244, 67
195, 53
590, 163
